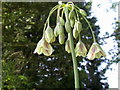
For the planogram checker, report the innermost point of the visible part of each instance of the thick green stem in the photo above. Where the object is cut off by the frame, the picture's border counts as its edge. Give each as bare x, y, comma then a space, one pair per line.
76, 75
70, 37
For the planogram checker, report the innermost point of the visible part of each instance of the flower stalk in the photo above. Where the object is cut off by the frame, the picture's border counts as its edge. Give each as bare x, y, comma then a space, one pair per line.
94, 40
75, 66
72, 49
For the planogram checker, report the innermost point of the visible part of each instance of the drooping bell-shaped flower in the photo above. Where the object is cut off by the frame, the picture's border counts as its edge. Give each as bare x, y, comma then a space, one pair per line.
49, 35
95, 52
43, 47
80, 49
67, 46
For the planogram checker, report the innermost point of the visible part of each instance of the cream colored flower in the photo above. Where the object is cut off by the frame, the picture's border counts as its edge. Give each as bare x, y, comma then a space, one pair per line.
95, 52
43, 47
80, 49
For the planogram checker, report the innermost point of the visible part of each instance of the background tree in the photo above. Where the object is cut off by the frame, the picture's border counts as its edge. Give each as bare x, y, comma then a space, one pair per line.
22, 29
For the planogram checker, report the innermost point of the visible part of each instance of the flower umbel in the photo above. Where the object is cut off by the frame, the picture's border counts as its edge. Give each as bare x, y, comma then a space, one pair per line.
43, 47
95, 52
80, 49
68, 21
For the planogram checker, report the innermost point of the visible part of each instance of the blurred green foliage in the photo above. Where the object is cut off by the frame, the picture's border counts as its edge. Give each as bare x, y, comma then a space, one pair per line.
22, 29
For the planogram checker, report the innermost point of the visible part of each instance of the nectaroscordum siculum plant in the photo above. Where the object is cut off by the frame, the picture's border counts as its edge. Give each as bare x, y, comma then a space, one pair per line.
73, 26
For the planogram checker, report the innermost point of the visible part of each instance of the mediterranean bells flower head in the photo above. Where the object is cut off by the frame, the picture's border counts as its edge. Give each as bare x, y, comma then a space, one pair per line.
68, 20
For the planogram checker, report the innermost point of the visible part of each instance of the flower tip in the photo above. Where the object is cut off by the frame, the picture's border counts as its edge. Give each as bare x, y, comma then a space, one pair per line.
34, 51
89, 58
60, 2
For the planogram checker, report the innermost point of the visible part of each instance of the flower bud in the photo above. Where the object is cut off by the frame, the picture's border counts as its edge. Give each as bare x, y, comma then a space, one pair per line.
75, 32
61, 29
95, 52
67, 46
68, 27
58, 29
71, 14
72, 22
62, 21
49, 35
82, 12
80, 49
61, 38
79, 26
